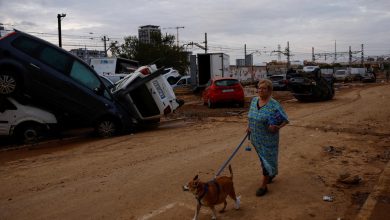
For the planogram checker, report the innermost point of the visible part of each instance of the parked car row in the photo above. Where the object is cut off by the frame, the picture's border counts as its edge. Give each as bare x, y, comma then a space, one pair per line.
347, 76
61, 83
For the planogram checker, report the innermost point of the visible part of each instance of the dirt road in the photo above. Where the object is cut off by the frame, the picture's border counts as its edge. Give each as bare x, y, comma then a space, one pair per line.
140, 176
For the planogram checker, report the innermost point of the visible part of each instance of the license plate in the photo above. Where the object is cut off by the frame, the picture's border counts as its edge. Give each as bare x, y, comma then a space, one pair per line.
228, 90
159, 90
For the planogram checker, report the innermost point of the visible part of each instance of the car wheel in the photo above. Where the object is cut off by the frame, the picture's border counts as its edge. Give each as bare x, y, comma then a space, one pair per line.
106, 128
210, 104
29, 133
8, 83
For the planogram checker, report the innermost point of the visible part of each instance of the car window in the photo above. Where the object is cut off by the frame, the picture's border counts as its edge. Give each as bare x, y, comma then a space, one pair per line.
86, 77
26, 45
106, 82
226, 82
6, 105
55, 58
181, 82
172, 80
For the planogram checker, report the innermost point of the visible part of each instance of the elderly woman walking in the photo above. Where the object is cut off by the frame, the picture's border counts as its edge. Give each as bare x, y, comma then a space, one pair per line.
265, 118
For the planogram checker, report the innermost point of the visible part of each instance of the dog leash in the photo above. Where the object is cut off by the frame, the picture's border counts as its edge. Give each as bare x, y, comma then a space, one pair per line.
231, 156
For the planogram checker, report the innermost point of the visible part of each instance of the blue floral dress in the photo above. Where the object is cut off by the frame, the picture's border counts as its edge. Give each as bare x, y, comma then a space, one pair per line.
265, 142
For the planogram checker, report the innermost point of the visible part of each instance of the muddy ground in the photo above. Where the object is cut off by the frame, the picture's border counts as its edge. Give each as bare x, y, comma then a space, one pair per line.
337, 148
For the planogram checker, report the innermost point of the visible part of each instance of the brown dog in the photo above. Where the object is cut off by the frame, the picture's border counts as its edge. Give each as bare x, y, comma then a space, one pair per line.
213, 192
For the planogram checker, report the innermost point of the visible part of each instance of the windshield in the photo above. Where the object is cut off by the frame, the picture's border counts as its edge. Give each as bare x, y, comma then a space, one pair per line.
226, 82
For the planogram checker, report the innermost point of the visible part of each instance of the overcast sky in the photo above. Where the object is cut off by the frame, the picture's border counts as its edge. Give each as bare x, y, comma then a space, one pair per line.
262, 25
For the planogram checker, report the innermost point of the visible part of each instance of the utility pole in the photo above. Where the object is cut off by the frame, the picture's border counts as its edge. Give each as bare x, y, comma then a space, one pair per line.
198, 45
177, 33
245, 54
362, 58
335, 52
313, 58
350, 56
279, 56
288, 54
59, 16
205, 42
105, 39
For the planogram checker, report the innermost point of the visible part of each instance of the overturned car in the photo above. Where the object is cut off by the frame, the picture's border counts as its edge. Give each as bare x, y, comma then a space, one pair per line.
310, 85
50, 78
146, 94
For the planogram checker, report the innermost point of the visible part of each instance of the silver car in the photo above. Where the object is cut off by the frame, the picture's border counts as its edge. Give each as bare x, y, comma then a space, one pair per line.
343, 76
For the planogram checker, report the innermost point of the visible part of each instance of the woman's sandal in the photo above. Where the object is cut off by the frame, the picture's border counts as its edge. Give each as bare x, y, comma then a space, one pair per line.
261, 191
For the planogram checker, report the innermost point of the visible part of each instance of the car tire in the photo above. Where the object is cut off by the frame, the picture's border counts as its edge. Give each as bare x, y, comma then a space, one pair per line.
210, 104
9, 83
241, 104
29, 133
106, 128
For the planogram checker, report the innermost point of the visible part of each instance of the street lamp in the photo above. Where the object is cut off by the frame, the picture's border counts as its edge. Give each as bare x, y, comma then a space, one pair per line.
59, 16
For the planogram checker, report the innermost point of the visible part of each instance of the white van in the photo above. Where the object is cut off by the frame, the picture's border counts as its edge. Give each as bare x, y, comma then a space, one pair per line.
146, 94
113, 68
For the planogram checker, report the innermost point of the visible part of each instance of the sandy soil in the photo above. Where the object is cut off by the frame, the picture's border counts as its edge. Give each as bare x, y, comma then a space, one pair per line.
139, 176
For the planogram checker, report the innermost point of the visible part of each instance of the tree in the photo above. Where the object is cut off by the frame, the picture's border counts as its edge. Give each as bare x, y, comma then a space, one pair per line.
162, 51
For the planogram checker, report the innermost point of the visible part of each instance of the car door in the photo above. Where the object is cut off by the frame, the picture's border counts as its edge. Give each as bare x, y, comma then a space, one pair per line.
7, 116
86, 94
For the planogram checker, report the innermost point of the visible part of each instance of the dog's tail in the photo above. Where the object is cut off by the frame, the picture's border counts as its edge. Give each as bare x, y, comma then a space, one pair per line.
231, 171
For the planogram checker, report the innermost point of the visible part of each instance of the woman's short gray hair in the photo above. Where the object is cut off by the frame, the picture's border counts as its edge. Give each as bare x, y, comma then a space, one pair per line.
266, 82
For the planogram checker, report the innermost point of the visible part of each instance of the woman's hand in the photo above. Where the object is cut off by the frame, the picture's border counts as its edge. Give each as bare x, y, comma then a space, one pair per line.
276, 128
273, 128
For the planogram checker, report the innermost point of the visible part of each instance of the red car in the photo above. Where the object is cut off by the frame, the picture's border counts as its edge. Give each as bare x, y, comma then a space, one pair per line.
223, 90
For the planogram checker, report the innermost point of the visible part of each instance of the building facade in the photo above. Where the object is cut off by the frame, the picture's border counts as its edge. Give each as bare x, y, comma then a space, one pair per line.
2, 31
86, 55
145, 33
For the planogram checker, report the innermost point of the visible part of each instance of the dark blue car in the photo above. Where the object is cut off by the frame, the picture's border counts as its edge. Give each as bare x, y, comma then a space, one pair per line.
60, 82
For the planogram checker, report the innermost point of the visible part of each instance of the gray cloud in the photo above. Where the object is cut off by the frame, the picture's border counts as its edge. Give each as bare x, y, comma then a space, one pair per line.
229, 24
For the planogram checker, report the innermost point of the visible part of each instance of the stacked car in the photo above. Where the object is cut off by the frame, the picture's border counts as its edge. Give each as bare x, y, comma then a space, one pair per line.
61, 83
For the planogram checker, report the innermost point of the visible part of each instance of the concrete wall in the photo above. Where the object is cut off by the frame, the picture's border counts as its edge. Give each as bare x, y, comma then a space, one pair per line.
248, 74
